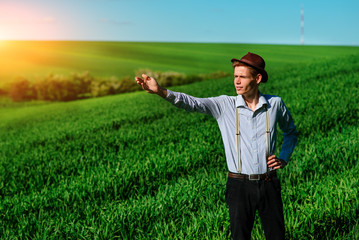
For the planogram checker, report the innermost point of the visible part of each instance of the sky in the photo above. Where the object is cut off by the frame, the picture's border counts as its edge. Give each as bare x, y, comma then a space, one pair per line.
221, 21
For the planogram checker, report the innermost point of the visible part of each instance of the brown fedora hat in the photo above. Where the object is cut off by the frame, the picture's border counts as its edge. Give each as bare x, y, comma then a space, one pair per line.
255, 61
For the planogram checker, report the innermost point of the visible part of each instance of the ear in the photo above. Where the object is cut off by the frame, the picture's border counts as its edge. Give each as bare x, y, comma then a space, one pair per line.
259, 78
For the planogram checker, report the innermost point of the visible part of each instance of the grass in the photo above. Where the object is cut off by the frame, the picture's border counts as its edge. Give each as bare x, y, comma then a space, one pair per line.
134, 167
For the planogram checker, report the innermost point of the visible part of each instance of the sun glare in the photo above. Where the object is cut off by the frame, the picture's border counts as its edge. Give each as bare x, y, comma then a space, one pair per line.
26, 22
2, 40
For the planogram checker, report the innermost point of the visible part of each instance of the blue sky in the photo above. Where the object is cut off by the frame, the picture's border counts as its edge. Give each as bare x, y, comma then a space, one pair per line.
267, 22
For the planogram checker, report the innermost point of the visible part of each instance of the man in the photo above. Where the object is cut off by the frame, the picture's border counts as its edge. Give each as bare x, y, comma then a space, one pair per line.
248, 126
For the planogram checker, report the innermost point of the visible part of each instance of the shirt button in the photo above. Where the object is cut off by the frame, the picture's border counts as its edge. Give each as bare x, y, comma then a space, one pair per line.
254, 139
255, 150
256, 163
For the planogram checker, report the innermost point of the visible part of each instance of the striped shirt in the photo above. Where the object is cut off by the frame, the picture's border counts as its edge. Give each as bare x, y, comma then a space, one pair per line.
252, 127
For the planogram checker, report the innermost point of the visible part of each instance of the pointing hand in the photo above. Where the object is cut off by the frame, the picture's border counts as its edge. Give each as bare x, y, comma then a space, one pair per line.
150, 85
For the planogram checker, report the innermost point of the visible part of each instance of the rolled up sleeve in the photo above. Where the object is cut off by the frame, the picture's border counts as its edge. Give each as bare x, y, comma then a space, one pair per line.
290, 134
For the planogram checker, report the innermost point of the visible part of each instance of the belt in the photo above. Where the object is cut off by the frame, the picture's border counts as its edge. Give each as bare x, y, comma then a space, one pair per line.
253, 177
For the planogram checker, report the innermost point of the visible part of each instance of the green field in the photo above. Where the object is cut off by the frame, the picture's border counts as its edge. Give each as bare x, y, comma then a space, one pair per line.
34, 59
132, 166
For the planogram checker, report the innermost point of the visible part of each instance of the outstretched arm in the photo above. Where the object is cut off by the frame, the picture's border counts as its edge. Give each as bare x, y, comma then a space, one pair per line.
213, 106
150, 85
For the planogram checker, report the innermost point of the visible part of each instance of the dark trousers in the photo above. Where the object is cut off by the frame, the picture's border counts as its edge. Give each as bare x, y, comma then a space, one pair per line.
245, 197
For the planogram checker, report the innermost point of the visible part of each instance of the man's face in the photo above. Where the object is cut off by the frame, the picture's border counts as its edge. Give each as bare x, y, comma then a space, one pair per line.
244, 82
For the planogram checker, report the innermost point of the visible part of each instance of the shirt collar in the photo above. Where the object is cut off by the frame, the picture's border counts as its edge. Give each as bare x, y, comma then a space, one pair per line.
262, 101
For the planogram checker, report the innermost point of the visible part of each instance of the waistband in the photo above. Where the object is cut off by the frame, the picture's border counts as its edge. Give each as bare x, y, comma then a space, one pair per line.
253, 177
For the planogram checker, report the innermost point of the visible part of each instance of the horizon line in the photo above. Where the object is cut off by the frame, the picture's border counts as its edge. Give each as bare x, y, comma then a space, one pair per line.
189, 42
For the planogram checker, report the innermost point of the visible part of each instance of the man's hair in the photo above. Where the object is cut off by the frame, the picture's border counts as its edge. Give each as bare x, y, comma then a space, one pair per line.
252, 70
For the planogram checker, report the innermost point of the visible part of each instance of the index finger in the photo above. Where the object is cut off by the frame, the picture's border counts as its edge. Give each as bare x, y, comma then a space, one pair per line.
146, 77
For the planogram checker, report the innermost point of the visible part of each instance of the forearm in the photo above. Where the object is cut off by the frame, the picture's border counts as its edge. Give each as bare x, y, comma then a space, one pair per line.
289, 143
211, 106
290, 134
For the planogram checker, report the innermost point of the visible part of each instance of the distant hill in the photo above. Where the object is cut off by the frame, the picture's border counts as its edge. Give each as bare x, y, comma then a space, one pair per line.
32, 59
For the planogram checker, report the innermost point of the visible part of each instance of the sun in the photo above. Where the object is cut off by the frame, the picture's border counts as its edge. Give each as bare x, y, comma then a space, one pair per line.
2, 35
2, 41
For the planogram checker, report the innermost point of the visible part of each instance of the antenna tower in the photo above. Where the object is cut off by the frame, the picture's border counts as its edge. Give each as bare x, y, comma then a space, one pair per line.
302, 25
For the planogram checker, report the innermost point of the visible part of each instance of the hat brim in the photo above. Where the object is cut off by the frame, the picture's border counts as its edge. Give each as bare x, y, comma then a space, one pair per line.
260, 70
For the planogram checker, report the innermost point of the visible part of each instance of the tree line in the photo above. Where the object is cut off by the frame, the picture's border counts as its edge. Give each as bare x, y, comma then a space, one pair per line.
55, 87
